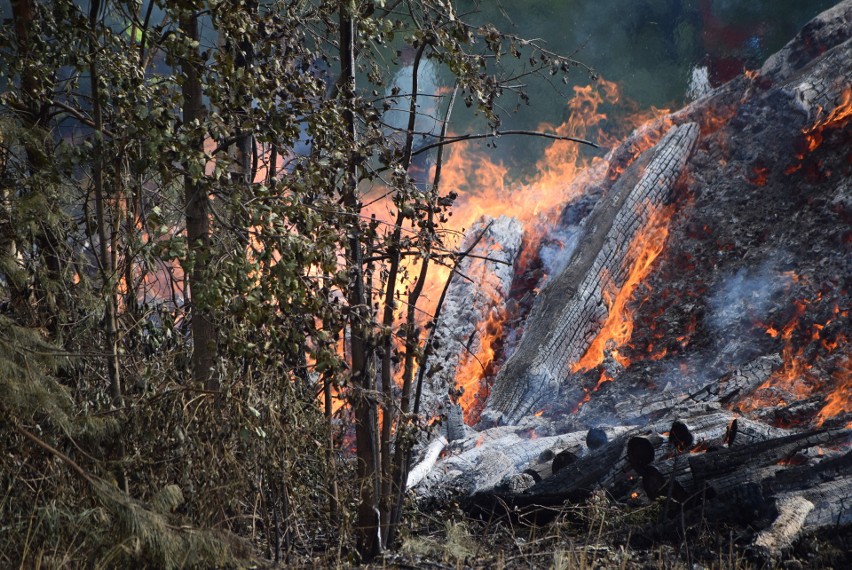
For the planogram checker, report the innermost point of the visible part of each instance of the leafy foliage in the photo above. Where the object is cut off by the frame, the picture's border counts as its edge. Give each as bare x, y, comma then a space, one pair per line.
206, 178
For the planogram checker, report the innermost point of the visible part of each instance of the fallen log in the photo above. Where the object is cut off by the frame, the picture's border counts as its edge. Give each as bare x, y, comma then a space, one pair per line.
642, 449
726, 388
715, 468
826, 504
479, 287
484, 460
792, 513
571, 308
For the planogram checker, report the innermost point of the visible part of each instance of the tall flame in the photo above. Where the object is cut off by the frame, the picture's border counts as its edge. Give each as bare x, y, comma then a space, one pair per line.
483, 189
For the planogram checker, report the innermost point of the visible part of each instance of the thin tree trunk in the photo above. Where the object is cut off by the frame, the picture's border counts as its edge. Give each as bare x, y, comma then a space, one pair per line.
388, 408
402, 452
34, 118
106, 237
368, 529
333, 498
197, 225
389, 468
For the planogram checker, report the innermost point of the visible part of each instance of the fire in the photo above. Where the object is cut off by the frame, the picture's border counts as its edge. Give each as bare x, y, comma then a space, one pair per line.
839, 115
759, 176
474, 367
618, 327
604, 378
797, 378
839, 401
484, 189
792, 373
482, 184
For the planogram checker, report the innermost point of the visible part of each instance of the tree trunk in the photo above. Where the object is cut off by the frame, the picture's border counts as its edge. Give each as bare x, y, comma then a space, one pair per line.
197, 223
105, 234
34, 118
368, 528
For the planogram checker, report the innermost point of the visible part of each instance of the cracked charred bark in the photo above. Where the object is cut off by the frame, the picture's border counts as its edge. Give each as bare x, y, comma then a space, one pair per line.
572, 309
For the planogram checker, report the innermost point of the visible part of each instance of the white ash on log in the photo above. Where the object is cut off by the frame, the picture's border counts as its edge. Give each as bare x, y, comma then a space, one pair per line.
571, 309
428, 458
487, 458
478, 290
792, 513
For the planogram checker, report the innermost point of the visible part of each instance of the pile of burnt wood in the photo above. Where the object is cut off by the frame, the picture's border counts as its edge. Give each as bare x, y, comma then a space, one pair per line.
690, 444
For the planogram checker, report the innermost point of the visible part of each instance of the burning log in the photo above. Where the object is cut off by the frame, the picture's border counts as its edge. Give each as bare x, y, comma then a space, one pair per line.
736, 468
741, 381
572, 307
726, 388
476, 294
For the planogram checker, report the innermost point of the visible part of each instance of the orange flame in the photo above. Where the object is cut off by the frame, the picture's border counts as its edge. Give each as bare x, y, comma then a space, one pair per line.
483, 189
796, 378
839, 401
839, 115
618, 327
473, 368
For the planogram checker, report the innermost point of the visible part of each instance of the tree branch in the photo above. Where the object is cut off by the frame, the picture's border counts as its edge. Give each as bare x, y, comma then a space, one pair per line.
495, 134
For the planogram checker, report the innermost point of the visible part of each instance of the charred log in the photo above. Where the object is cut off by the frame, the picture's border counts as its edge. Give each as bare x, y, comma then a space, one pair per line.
479, 287
713, 468
572, 308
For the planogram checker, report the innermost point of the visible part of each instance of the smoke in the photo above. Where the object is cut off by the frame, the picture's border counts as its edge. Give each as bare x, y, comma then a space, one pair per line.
742, 302
699, 83
556, 251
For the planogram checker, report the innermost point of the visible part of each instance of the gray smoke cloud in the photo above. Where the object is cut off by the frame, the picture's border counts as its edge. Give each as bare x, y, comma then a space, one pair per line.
743, 300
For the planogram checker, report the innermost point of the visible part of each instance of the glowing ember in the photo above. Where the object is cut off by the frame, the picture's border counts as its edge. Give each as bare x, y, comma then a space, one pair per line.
790, 376
759, 176
604, 378
797, 379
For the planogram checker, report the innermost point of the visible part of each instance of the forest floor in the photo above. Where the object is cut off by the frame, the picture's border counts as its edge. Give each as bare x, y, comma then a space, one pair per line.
596, 535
